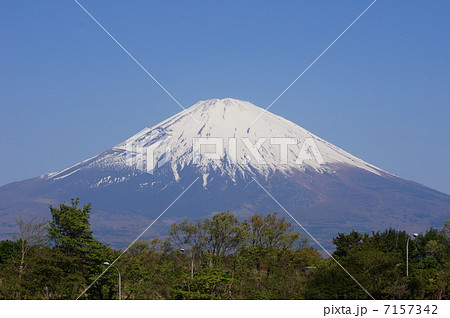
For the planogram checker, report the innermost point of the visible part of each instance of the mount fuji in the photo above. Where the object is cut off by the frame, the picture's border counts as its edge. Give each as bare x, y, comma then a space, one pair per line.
215, 143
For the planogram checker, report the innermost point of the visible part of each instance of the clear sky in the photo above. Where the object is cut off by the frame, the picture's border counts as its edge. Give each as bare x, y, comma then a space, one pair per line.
68, 92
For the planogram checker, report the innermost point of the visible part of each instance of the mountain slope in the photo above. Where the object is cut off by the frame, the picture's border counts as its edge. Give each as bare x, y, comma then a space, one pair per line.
325, 188
228, 121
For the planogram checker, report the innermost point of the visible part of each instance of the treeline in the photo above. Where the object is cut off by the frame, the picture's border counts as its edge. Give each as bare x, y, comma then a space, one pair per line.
262, 257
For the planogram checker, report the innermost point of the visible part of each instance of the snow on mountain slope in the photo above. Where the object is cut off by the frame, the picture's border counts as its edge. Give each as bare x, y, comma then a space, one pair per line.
328, 189
222, 141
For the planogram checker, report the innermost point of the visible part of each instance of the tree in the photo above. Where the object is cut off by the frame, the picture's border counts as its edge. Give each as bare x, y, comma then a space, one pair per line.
345, 243
378, 262
210, 238
79, 255
270, 231
69, 229
31, 233
223, 234
267, 235
18, 257
8, 249
187, 237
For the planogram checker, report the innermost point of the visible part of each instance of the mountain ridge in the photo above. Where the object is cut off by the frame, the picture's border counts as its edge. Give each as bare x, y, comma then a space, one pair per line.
215, 116
328, 190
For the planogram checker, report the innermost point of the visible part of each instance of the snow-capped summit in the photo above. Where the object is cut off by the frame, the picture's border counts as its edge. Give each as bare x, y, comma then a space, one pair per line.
217, 157
218, 135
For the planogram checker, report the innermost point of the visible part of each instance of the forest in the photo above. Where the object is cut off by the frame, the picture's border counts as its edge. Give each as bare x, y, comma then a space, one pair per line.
222, 257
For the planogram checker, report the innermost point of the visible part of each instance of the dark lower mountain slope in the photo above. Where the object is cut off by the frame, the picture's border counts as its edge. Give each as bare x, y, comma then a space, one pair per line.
325, 203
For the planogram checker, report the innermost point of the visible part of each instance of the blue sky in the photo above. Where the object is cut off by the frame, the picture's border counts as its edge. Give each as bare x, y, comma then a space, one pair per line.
68, 92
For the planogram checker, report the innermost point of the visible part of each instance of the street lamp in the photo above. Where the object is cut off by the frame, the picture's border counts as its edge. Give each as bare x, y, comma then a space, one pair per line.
192, 261
120, 278
407, 252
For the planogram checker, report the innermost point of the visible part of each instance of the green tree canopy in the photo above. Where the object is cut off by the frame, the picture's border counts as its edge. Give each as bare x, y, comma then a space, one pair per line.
69, 229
